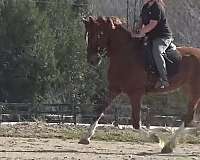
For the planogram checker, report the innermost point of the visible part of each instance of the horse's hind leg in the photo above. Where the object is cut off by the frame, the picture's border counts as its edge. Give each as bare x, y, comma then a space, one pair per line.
85, 139
192, 90
193, 106
193, 93
194, 103
193, 109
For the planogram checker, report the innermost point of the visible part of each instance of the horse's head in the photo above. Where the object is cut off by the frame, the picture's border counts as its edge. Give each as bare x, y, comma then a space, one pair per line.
97, 36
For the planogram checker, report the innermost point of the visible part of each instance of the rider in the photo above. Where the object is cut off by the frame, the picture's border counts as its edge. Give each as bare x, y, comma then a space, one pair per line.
155, 27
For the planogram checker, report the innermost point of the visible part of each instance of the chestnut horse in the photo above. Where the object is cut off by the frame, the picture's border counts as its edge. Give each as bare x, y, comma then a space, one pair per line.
126, 71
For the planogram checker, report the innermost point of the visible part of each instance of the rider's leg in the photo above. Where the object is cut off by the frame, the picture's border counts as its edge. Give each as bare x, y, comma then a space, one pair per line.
159, 47
148, 58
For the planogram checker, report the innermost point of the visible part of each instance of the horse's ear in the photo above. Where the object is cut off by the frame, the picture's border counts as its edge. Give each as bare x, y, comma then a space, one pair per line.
91, 19
111, 23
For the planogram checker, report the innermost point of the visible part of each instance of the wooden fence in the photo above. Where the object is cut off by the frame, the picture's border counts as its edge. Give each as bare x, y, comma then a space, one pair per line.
28, 112
68, 113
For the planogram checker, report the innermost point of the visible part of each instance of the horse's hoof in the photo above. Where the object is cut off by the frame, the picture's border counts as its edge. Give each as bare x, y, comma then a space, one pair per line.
167, 149
84, 141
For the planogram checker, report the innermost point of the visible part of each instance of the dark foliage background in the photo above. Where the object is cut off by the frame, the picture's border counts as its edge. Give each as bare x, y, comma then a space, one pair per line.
43, 51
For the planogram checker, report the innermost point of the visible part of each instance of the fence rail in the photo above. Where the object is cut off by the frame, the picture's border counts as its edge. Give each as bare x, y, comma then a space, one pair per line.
29, 112
70, 113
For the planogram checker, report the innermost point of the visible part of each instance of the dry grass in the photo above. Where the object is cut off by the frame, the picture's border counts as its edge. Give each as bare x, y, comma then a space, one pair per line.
64, 131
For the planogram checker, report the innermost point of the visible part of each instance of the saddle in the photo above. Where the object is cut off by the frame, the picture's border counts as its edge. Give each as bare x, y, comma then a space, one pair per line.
172, 59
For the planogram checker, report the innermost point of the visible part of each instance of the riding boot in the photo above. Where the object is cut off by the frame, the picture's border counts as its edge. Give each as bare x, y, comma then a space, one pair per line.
161, 83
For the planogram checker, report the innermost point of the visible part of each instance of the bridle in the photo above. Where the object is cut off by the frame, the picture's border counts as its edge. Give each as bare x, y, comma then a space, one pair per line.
101, 51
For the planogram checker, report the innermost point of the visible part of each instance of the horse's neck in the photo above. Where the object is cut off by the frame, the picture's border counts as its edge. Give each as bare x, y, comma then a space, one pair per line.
118, 40
124, 53
122, 44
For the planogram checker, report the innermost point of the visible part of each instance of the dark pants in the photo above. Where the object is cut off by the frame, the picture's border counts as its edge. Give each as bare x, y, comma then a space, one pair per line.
159, 47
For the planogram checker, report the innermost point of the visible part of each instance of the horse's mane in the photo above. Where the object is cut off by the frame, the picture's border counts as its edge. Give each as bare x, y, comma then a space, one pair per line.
119, 24
122, 24
118, 21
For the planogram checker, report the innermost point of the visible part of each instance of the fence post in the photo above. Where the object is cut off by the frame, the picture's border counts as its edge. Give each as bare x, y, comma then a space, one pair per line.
127, 13
116, 116
148, 118
1, 110
74, 114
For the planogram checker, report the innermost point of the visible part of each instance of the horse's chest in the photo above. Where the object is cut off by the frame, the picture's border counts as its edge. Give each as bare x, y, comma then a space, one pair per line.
122, 73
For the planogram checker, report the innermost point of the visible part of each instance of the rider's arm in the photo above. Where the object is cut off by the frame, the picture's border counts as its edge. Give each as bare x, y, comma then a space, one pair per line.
149, 27
155, 17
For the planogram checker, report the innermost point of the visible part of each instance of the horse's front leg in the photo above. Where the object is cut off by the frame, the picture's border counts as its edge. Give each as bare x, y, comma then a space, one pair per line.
85, 139
136, 100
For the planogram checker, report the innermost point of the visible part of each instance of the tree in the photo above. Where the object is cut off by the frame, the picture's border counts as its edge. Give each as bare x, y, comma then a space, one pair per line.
17, 31
45, 53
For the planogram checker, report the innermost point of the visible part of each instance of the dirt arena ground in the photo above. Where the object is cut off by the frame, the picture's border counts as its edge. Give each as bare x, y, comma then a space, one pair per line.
43, 141
58, 149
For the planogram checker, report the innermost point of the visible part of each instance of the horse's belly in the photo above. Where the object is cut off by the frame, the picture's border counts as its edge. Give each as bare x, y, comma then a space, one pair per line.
126, 79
